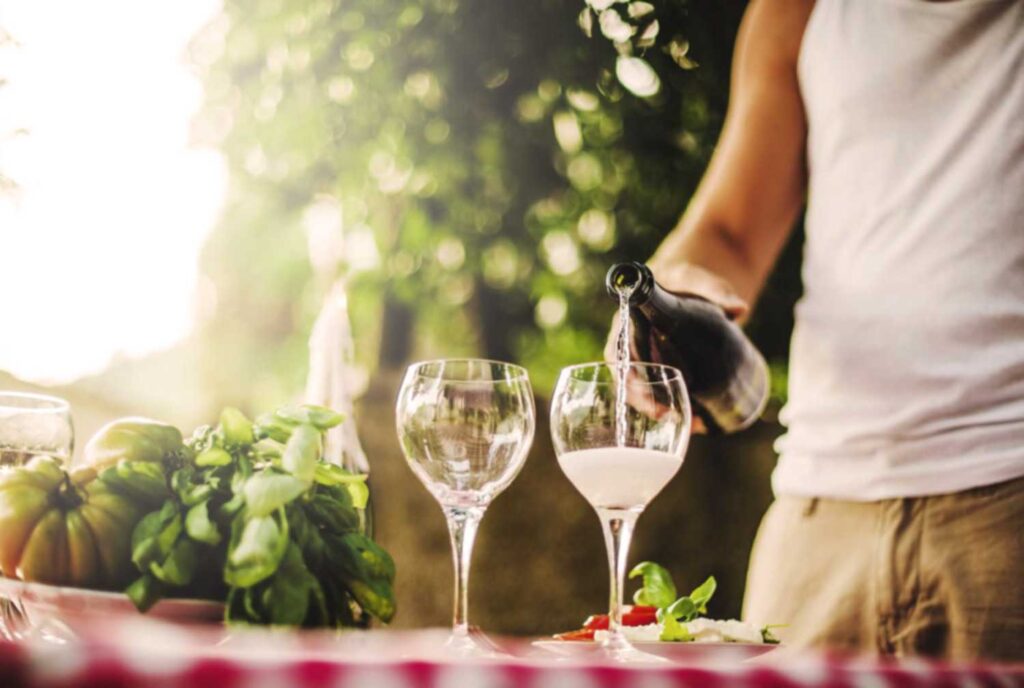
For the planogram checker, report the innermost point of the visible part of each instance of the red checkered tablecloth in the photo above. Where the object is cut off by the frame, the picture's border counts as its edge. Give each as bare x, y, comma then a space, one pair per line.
158, 655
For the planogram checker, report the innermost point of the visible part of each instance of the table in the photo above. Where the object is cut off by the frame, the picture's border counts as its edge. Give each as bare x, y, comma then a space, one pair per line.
126, 655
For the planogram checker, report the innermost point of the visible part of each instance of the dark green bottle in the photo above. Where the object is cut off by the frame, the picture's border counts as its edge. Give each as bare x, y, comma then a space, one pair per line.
726, 376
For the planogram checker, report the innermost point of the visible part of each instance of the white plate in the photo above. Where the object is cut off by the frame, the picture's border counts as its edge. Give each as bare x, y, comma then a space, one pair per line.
677, 652
76, 608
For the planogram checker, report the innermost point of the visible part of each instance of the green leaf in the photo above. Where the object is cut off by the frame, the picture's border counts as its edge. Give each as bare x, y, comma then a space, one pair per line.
658, 589
237, 428
144, 592
266, 492
145, 536
696, 603
288, 595
214, 456
674, 631
332, 515
331, 474
256, 549
683, 609
267, 449
180, 565
319, 416
703, 593
302, 452
269, 426
199, 526
372, 561
768, 636
375, 597
360, 494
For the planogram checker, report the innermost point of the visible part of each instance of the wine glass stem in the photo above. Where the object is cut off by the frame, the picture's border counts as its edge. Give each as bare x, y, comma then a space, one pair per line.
618, 532
462, 526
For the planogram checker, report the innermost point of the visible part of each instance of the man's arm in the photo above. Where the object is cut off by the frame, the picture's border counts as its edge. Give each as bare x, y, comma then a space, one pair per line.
737, 222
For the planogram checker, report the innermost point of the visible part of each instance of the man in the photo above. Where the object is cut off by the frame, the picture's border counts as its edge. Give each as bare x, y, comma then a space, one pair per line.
900, 499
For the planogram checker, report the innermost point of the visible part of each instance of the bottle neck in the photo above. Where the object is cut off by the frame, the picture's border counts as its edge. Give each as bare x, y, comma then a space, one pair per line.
633, 278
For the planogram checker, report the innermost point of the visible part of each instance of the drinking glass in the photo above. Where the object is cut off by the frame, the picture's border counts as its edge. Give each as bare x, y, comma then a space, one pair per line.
465, 426
620, 433
32, 424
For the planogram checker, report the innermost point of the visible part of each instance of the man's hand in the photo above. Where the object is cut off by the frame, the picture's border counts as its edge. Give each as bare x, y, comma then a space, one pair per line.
685, 278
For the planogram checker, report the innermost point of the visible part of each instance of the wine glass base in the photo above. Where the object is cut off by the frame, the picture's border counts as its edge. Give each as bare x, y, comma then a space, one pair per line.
620, 651
475, 646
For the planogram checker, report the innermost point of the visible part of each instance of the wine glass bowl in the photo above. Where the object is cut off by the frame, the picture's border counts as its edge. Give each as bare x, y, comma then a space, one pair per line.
34, 424
465, 426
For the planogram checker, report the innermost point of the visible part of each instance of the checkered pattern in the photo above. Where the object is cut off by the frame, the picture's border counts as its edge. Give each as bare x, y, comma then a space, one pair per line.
126, 658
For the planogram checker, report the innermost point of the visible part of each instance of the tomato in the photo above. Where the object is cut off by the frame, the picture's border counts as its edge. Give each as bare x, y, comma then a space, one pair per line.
66, 529
640, 616
132, 439
583, 634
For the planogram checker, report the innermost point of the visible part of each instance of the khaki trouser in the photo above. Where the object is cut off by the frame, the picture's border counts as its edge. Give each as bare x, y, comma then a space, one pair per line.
938, 576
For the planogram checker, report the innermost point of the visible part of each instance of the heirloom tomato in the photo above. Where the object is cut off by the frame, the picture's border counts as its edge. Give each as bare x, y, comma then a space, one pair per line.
132, 439
73, 529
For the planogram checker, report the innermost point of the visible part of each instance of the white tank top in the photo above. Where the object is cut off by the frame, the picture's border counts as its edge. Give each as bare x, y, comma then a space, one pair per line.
907, 370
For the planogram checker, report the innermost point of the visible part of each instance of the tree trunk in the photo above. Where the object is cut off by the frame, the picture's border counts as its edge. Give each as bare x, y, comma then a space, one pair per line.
395, 333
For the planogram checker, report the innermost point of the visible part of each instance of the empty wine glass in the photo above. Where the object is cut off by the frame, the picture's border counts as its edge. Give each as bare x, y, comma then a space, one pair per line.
465, 427
620, 433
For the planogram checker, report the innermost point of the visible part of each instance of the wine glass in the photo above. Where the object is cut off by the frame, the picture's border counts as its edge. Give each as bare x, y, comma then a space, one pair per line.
32, 424
620, 433
465, 426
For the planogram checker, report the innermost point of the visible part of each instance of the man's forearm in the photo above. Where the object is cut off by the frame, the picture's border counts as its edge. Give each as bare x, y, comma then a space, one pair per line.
715, 250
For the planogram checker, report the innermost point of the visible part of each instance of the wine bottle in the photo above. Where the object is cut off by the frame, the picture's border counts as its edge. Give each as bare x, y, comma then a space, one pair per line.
726, 376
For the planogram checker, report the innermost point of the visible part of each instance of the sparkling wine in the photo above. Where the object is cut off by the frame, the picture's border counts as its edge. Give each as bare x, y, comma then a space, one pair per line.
626, 478
725, 374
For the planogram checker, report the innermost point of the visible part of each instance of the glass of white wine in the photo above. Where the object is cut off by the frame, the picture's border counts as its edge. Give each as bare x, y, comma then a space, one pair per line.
620, 433
465, 426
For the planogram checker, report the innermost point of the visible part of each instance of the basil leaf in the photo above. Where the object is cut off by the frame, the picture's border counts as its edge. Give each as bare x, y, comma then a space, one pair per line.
674, 631
703, 593
320, 417
145, 542
256, 549
302, 452
360, 494
271, 427
287, 597
180, 565
331, 474
237, 428
144, 592
374, 560
658, 589
266, 492
268, 449
199, 526
376, 597
683, 609
214, 456
332, 515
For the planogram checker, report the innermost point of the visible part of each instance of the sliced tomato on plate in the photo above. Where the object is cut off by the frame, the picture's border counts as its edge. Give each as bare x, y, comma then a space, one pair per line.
582, 634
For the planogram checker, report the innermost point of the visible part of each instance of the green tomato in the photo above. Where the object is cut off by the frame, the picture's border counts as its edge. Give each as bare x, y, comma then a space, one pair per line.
132, 439
65, 529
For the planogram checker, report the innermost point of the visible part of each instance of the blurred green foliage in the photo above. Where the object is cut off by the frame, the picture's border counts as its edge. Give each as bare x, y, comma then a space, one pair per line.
480, 159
